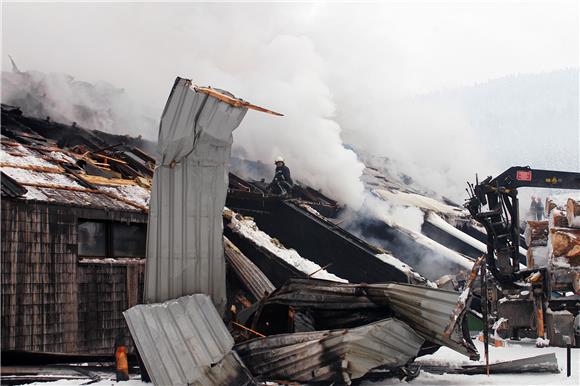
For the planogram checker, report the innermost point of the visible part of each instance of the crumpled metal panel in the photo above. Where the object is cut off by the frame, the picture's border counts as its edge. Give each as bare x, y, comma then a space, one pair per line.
181, 340
184, 239
331, 356
336, 305
428, 311
250, 275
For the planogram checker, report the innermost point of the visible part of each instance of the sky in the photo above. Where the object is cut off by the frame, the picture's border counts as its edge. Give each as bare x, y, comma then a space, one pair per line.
426, 45
337, 70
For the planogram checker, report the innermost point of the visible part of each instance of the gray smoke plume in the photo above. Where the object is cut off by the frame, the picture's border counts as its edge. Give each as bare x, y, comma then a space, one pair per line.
341, 73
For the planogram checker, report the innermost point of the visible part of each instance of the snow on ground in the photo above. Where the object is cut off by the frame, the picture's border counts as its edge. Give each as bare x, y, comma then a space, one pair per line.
513, 350
248, 229
104, 382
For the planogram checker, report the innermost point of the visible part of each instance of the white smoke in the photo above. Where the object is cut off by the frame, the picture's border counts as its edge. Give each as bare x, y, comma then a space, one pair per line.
339, 72
63, 99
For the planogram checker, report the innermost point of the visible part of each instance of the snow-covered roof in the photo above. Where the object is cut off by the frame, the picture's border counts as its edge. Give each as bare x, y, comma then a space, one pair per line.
52, 174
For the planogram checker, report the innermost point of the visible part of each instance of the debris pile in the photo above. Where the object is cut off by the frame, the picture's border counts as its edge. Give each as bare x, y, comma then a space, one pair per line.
309, 330
224, 300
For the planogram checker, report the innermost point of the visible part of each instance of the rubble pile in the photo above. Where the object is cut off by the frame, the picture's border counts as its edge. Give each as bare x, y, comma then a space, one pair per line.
223, 300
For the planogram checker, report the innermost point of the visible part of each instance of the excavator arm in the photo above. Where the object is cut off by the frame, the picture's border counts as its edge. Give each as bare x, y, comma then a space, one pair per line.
501, 217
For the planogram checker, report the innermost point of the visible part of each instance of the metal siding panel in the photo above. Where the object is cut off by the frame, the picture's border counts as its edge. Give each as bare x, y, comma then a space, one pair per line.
337, 355
428, 310
180, 339
250, 275
185, 248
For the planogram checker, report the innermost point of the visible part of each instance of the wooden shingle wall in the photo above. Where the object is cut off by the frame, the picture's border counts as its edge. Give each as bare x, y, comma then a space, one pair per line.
50, 302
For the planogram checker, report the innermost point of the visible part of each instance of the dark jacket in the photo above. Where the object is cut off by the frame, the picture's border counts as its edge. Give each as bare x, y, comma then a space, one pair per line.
282, 173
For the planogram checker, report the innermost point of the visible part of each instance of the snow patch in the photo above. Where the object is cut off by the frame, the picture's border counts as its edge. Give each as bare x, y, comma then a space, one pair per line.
25, 157
440, 223
248, 229
25, 176
416, 200
62, 157
133, 193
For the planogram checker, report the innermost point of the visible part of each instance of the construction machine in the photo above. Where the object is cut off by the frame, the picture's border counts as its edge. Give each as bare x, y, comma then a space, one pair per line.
525, 300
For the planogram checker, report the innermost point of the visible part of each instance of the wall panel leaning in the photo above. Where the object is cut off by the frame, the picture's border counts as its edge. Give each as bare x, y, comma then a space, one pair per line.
185, 252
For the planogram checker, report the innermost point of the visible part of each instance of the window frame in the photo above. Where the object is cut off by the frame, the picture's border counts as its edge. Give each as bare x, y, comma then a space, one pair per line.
109, 242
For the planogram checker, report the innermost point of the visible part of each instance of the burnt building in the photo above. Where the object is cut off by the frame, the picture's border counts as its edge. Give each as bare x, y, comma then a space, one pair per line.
73, 237
74, 213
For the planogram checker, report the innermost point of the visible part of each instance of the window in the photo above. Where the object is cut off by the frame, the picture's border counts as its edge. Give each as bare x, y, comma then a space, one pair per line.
111, 239
92, 239
129, 240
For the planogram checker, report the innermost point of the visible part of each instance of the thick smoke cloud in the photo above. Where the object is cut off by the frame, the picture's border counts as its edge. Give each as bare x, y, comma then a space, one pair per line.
341, 73
63, 99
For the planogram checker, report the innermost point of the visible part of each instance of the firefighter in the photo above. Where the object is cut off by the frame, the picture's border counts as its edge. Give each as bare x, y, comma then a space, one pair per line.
282, 183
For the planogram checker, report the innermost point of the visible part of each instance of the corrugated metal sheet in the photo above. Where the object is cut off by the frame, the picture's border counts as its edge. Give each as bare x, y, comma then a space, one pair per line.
334, 305
180, 340
184, 241
250, 275
428, 311
326, 356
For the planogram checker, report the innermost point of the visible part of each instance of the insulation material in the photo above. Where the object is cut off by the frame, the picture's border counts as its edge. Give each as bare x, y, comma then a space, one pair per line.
185, 342
185, 252
331, 356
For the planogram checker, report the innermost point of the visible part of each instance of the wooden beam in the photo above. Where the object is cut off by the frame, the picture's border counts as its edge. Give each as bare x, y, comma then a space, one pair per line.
233, 101
43, 169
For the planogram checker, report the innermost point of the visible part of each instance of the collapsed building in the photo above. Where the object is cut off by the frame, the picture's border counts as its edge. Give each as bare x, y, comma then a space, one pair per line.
75, 207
